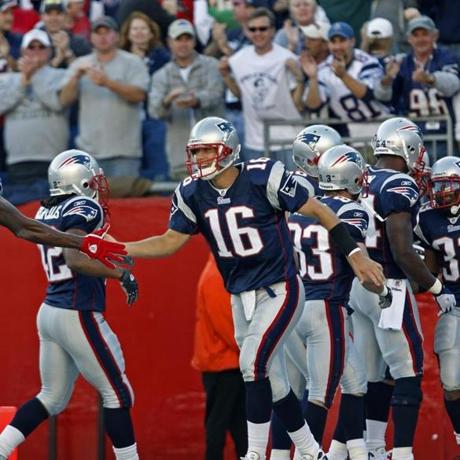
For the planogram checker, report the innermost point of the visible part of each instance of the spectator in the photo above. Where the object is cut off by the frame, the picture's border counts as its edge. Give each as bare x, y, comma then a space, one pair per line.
66, 47
397, 12
216, 356
36, 125
76, 20
10, 42
316, 51
424, 83
184, 91
346, 80
110, 85
10, 49
141, 36
151, 8
260, 76
378, 39
302, 13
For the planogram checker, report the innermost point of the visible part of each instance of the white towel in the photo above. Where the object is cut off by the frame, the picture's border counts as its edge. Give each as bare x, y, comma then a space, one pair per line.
391, 318
248, 299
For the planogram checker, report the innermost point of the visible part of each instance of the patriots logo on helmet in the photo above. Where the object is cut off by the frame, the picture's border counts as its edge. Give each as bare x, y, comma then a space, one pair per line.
348, 156
414, 128
225, 127
409, 192
84, 160
87, 212
309, 138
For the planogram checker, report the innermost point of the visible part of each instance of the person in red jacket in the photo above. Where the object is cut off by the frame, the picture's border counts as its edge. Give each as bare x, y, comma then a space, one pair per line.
216, 356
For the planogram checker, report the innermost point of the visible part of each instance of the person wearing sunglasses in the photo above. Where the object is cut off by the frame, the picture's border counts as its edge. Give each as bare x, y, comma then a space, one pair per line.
260, 76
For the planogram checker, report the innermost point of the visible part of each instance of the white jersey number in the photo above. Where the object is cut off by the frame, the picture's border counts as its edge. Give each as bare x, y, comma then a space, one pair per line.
54, 270
446, 245
246, 241
320, 251
373, 235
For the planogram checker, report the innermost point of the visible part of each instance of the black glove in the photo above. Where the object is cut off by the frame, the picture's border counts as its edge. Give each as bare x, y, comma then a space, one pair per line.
385, 298
129, 285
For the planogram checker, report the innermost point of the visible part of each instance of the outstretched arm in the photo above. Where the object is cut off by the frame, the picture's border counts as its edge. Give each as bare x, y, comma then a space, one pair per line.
158, 246
365, 269
34, 231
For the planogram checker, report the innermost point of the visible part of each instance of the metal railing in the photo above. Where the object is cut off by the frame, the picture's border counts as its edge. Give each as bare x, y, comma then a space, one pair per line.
431, 139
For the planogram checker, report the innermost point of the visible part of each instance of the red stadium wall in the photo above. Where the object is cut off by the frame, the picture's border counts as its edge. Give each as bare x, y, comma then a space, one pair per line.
156, 336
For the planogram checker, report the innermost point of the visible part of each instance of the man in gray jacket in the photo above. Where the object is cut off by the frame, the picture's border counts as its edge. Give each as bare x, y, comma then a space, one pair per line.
36, 125
184, 91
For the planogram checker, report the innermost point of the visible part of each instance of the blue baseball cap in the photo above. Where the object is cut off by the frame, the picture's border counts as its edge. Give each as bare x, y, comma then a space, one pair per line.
341, 29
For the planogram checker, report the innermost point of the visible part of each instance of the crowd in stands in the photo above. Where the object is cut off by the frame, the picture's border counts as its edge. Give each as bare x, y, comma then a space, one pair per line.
126, 79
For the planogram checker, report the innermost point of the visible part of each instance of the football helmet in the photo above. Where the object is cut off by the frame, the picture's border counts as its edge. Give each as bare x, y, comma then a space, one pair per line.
212, 133
310, 144
342, 168
444, 187
77, 172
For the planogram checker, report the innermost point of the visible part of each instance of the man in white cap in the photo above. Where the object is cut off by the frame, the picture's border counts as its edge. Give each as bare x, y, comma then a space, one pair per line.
378, 38
184, 91
36, 125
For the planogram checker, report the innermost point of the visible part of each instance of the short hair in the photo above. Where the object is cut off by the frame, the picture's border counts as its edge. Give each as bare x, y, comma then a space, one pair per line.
263, 12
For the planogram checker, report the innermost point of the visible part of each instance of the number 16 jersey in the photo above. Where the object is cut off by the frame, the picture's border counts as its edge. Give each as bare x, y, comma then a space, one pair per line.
245, 225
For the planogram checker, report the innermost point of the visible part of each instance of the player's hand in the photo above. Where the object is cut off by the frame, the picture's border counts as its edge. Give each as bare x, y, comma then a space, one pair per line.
385, 297
366, 269
107, 252
129, 285
445, 300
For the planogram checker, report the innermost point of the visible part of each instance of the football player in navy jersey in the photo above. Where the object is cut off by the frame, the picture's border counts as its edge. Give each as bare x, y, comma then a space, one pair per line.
392, 337
327, 279
240, 209
439, 230
74, 335
29, 229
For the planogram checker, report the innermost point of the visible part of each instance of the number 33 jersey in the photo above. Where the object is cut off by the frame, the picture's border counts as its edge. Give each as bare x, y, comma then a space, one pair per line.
441, 232
325, 271
66, 288
245, 225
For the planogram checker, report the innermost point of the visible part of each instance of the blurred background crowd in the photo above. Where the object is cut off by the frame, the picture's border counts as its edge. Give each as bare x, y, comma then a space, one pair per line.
126, 79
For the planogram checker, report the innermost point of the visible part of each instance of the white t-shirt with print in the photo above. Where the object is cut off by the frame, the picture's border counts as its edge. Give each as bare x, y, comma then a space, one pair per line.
265, 86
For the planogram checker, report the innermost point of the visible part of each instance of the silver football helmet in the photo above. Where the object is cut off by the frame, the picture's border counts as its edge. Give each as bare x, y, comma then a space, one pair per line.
214, 133
445, 184
342, 168
401, 137
77, 172
310, 144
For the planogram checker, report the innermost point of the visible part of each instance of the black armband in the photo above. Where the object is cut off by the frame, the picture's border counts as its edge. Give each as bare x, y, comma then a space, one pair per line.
342, 239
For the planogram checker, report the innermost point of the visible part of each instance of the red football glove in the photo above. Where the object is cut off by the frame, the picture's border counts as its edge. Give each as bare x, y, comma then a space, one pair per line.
105, 251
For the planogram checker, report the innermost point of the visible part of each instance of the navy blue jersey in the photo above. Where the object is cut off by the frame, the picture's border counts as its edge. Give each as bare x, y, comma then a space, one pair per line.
66, 288
310, 183
325, 272
244, 225
389, 192
414, 99
441, 232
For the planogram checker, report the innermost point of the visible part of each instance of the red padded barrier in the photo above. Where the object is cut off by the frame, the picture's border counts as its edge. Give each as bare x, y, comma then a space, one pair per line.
156, 335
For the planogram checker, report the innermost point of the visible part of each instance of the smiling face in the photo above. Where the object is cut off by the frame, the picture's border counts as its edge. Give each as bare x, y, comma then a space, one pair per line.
261, 33
182, 47
341, 47
422, 41
37, 51
139, 32
54, 20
